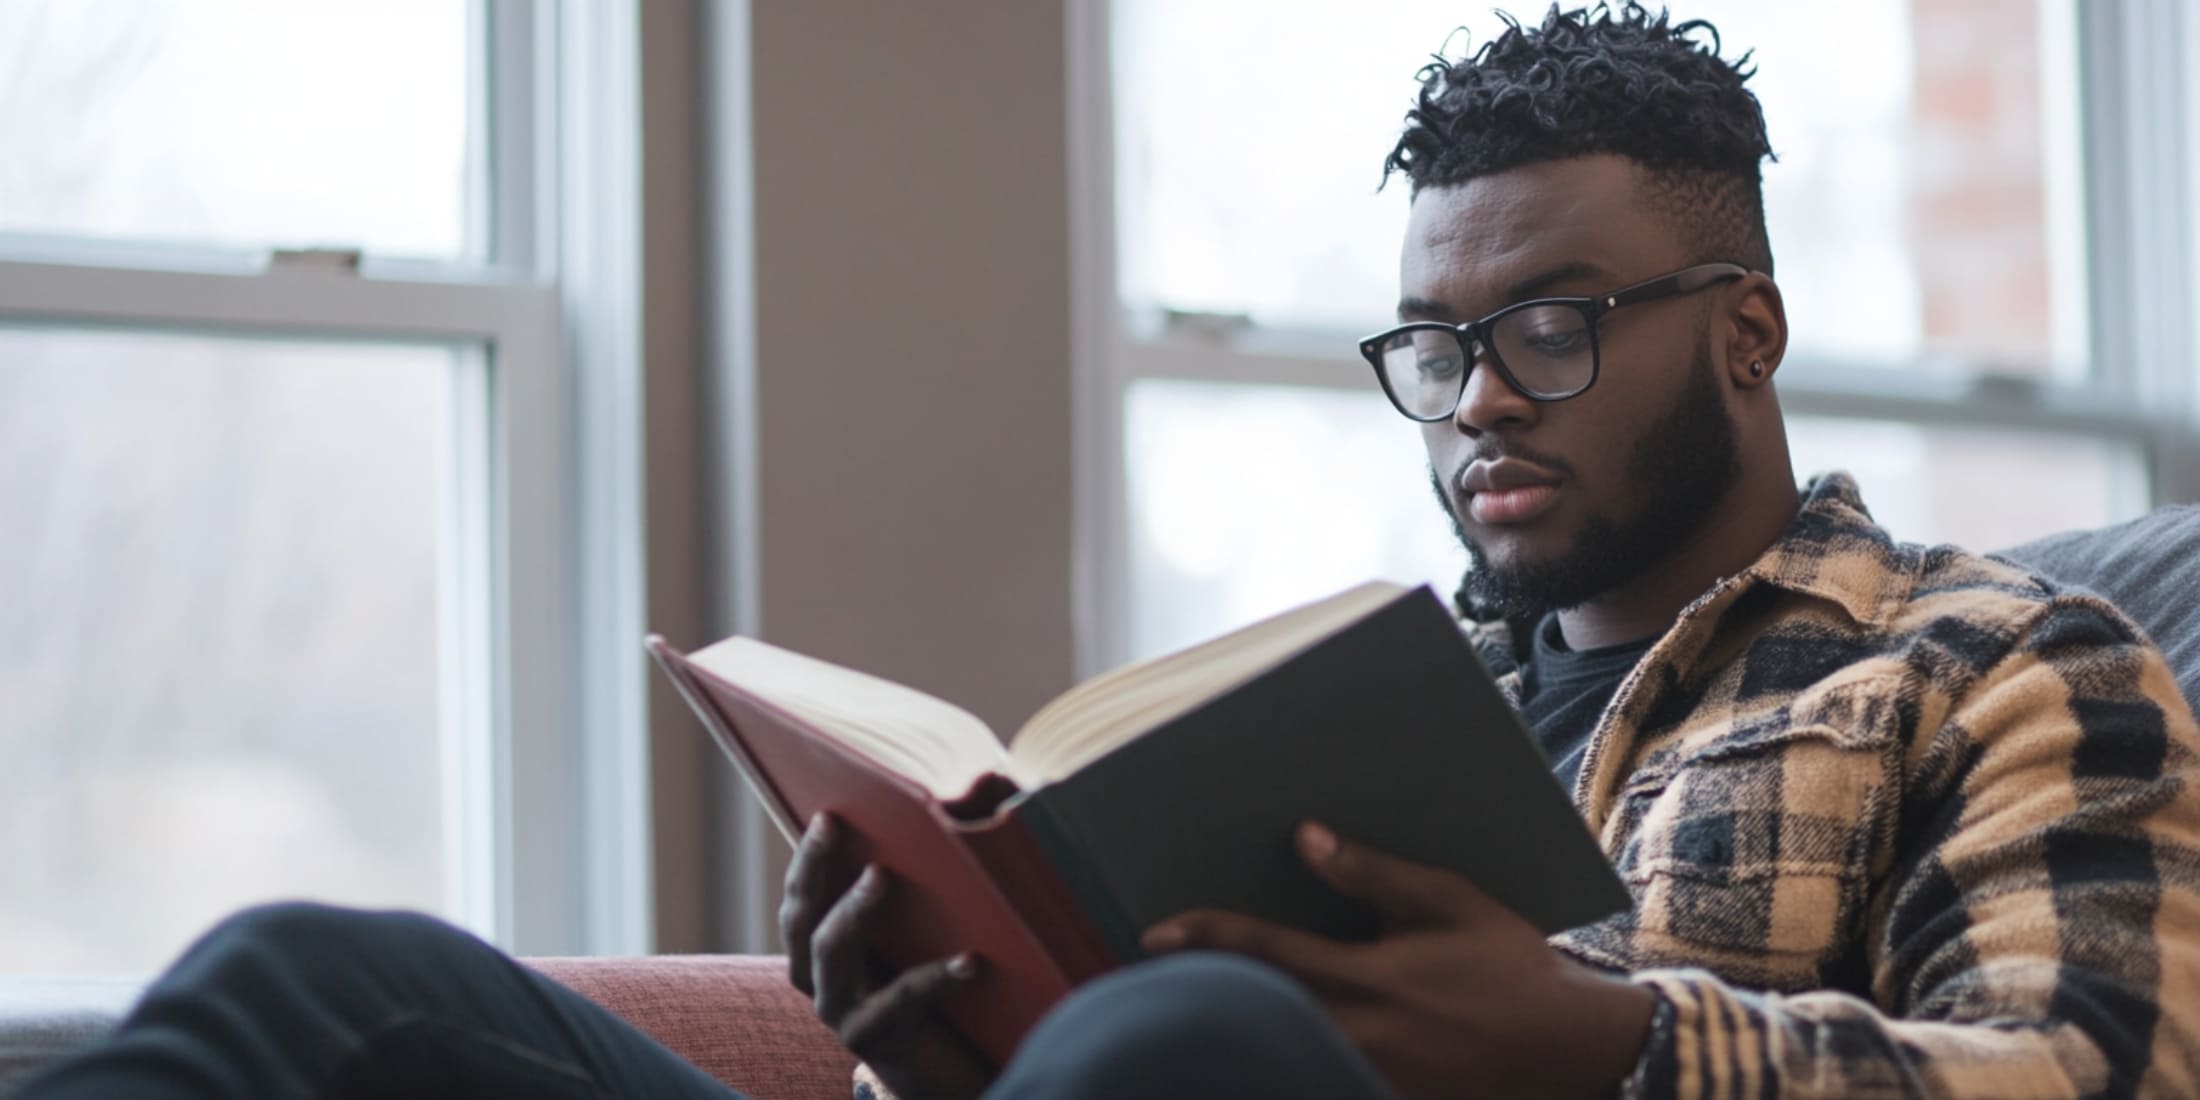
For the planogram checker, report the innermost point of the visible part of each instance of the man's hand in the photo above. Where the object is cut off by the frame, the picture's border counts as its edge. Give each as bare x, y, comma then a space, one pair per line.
1458, 993
891, 1021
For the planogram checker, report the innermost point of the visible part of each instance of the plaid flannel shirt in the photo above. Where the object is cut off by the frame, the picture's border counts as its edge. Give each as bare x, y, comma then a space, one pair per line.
1900, 821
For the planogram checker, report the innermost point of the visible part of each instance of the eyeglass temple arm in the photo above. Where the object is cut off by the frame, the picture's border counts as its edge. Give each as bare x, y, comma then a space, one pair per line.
1686, 281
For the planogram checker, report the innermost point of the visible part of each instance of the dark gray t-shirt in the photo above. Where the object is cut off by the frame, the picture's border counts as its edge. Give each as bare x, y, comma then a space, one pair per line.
1563, 693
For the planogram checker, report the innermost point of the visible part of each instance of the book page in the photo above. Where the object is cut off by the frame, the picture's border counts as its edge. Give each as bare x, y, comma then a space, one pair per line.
924, 738
1094, 717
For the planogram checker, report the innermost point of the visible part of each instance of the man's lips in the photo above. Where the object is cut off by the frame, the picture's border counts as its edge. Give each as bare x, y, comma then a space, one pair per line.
1507, 490
1503, 506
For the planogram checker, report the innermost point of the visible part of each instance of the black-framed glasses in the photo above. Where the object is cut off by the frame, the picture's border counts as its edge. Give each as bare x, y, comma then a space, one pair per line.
1545, 348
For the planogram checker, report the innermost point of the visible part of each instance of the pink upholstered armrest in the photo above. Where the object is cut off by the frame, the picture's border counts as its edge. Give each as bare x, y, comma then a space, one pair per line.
733, 1015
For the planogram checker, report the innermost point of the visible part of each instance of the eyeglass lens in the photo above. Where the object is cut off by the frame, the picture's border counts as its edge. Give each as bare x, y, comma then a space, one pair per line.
1548, 349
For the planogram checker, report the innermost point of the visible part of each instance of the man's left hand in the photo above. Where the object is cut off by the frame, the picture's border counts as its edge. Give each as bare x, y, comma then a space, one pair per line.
1458, 992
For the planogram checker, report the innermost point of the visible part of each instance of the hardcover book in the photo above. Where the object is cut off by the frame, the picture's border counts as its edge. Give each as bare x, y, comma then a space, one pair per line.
1167, 785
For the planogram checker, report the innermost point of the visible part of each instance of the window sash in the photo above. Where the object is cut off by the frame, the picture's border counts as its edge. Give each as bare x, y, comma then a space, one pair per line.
499, 579
549, 579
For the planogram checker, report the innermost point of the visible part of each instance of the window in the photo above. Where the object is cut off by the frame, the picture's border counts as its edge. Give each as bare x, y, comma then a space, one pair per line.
285, 337
1928, 212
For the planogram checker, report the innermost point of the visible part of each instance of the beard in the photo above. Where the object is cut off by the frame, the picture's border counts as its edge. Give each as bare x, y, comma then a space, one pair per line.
1681, 467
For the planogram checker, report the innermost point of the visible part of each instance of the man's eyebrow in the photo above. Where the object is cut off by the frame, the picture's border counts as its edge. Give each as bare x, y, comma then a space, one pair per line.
1518, 292
1571, 269
1423, 307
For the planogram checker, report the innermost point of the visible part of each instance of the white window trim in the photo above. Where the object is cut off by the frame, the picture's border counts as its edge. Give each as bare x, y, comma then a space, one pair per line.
559, 860
2139, 236
746, 887
600, 237
1099, 516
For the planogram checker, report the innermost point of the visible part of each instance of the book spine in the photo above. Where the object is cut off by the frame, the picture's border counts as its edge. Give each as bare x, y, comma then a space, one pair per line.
1037, 885
1115, 936
681, 672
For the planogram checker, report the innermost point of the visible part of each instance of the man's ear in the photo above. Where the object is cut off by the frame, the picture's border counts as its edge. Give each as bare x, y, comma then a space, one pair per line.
1758, 332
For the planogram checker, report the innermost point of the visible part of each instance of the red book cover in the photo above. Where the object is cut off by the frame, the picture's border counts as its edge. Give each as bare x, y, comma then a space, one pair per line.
954, 879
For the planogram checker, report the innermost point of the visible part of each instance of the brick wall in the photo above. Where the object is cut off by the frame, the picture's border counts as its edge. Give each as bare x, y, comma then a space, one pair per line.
1978, 196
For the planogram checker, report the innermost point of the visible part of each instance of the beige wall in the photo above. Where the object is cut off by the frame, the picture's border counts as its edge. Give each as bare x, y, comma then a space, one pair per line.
913, 384
677, 476
908, 263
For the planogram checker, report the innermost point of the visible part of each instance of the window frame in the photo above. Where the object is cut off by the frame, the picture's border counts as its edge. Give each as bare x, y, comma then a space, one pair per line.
2136, 151
546, 586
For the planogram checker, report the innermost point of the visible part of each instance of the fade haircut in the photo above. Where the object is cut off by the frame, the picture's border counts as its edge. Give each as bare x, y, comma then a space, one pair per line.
1604, 80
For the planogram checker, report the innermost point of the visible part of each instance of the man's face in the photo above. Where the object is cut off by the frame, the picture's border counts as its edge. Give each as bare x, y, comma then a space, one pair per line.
1559, 502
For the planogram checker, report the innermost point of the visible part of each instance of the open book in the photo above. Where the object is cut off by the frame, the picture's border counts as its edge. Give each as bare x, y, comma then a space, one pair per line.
1163, 786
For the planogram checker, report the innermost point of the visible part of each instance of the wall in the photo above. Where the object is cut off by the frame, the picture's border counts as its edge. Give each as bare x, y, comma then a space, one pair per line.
912, 342
884, 185
679, 484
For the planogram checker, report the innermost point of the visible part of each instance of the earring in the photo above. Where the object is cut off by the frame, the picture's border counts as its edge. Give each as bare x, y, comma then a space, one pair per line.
1757, 368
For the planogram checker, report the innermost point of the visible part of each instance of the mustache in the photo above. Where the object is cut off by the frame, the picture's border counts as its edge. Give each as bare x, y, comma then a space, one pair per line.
1490, 452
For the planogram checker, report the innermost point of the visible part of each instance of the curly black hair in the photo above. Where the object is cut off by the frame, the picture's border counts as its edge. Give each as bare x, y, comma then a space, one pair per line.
1604, 80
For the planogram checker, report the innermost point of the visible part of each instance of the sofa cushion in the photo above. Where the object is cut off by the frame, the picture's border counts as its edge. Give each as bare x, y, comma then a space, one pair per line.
2149, 566
43, 1018
734, 1016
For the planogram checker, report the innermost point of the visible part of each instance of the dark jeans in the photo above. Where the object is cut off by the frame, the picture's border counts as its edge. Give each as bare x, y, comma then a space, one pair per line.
305, 1000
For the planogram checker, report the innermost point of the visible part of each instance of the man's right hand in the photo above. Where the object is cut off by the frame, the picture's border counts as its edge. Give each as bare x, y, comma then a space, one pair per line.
890, 1020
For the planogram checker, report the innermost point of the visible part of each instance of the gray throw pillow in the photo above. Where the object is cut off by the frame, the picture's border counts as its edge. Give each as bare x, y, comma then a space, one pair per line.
2149, 567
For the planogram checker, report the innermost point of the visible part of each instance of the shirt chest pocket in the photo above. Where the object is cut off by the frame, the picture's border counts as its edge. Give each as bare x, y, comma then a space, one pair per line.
1751, 852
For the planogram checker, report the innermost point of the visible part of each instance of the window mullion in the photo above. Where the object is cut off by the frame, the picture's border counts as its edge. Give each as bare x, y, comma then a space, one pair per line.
513, 99
597, 234
2132, 90
1099, 514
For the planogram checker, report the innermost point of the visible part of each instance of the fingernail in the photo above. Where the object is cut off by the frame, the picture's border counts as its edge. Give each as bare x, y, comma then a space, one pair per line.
1165, 937
1317, 840
820, 822
962, 966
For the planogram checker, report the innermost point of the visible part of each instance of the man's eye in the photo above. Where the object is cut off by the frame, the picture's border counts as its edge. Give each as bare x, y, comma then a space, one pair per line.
1444, 367
1558, 341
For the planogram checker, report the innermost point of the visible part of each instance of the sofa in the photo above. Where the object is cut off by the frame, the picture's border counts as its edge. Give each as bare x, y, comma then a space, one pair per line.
733, 1015
737, 1018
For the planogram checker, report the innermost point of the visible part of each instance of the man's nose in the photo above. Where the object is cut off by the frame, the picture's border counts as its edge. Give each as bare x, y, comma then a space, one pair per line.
1488, 402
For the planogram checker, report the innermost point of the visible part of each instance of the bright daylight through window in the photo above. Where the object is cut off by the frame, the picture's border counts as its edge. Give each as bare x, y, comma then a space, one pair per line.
239, 122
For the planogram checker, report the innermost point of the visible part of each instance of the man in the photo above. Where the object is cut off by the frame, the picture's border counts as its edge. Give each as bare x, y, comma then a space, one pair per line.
1898, 821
